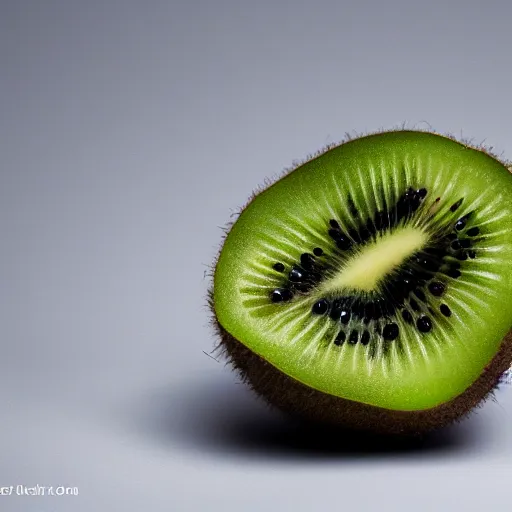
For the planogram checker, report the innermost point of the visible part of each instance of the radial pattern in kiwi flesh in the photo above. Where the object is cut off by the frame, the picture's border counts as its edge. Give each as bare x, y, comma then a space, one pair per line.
372, 284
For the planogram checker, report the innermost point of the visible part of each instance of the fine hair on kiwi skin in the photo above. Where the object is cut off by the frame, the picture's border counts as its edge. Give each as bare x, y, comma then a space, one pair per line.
383, 341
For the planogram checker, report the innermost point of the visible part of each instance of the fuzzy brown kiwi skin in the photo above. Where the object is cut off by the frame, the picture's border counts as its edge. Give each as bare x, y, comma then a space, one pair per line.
294, 398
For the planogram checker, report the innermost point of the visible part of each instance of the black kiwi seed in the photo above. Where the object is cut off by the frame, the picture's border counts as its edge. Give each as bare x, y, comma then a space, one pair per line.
461, 223
340, 338
334, 224
279, 267
415, 202
419, 294
407, 316
436, 288
472, 254
454, 206
462, 256
445, 310
343, 243
377, 310
451, 236
344, 317
352, 207
307, 260
365, 338
321, 307
403, 207
365, 234
465, 243
455, 245
414, 305
353, 337
276, 296
369, 312
334, 233
453, 272
354, 234
422, 192
336, 309
358, 308
390, 332
424, 324
287, 294
473, 231
317, 251
281, 295
296, 275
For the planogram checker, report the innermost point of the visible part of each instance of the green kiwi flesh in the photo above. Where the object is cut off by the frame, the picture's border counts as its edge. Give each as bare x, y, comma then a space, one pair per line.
370, 286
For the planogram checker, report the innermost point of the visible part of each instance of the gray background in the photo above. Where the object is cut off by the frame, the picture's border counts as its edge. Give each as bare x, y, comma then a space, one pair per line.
129, 133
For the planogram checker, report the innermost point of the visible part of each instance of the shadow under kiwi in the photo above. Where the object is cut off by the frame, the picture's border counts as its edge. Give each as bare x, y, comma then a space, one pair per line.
219, 416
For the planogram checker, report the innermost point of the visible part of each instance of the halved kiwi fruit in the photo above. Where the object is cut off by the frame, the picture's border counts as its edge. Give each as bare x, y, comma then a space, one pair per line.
371, 286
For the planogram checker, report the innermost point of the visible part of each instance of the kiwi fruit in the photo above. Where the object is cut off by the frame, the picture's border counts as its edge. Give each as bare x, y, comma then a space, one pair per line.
370, 286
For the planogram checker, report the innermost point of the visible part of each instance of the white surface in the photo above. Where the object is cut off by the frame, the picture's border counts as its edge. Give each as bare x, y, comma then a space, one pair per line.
129, 131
